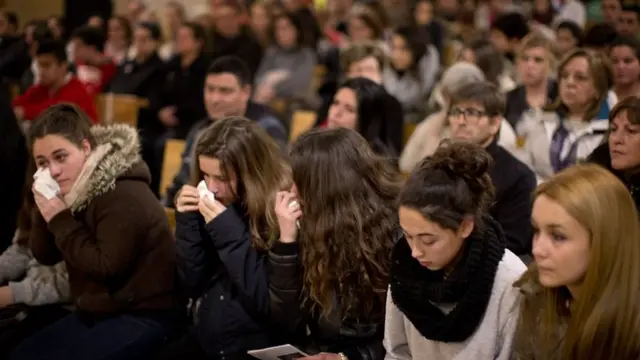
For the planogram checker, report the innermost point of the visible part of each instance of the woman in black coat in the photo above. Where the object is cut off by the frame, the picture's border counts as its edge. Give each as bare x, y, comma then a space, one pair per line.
221, 241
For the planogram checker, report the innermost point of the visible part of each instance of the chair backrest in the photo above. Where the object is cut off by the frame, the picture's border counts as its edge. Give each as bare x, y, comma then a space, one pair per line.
171, 162
171, 217
408, 129
301, 122
118, 108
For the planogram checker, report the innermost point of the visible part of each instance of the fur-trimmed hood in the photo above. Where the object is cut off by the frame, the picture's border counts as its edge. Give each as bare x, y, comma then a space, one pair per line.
116, 153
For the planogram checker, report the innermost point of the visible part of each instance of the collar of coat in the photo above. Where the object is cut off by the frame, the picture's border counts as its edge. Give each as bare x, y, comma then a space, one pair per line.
117, 150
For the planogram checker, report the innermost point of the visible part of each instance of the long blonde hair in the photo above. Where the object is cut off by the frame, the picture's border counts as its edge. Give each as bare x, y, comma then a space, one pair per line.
605, 322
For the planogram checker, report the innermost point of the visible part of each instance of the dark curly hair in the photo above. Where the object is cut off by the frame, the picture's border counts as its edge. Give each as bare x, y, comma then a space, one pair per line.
350, 224
451, 184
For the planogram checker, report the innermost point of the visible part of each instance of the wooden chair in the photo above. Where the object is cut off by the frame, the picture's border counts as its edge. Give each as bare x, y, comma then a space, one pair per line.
279, 105
171, 162
118, 108
171, 216
408, 130
301, 122
319, 73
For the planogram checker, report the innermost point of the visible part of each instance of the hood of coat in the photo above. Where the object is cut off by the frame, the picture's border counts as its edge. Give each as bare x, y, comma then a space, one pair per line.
116, 154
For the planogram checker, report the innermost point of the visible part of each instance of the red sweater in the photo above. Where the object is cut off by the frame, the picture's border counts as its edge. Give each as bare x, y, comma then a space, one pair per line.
38, 98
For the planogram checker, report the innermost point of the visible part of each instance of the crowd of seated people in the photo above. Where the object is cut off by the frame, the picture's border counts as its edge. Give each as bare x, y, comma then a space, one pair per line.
465, 184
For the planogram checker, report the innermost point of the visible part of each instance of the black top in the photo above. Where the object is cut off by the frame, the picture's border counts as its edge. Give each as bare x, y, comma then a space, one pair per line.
602, 157
514, 183
13, 161
245, 46
517, 102
219, 266
184, 89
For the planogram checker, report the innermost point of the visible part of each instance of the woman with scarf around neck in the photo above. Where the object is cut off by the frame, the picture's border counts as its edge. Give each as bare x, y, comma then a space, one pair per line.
451, 295
580, 297
113, 236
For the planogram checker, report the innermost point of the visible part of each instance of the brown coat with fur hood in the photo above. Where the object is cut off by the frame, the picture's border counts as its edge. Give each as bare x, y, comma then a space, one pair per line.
115, 237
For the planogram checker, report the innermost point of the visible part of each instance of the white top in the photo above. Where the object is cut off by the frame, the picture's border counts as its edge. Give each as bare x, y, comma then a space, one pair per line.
492, 340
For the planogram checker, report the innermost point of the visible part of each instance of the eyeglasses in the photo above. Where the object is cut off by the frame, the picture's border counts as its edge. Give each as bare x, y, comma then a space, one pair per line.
466, 114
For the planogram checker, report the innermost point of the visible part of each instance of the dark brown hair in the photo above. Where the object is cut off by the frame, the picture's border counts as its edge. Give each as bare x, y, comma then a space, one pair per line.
631, 106
484, 93
302, 38
349, 225
246, 150
451, 184
66, 120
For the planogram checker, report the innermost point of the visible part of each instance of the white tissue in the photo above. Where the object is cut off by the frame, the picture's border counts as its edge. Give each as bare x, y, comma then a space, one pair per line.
44, 184
291, 205
203, 191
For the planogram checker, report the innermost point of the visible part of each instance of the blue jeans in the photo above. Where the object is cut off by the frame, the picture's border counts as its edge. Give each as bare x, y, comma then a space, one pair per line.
122, 337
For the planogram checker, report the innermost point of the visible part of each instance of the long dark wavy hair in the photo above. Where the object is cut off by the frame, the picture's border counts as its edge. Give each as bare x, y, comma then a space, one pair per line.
349, 224
246, 150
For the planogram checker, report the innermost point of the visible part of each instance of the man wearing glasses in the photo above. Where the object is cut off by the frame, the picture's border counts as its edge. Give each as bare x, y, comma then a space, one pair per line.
475, 114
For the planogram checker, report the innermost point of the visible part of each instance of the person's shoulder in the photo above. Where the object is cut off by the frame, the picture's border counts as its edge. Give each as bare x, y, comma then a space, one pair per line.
510, 269
511, 163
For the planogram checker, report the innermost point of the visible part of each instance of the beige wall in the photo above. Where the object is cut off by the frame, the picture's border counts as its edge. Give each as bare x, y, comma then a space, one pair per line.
193, 7
28, 10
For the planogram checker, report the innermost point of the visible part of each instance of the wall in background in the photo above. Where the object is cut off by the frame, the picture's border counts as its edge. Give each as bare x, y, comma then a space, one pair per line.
193, 7
28, 10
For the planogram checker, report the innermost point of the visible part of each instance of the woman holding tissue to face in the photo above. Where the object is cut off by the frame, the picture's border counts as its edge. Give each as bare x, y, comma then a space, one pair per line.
330, 277
451, 294
107, 226
222, 240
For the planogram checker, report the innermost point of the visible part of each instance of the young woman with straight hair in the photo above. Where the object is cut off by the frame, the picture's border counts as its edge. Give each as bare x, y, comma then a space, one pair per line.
580, 297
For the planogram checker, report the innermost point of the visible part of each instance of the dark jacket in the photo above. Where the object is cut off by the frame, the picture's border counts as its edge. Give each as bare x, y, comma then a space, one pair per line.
256, 112
143, 80
358, 340
517, 102
228, 276
140, 79
184, 89
13, 161
602, 157
245, 46
115, 237
514, 183
14, 57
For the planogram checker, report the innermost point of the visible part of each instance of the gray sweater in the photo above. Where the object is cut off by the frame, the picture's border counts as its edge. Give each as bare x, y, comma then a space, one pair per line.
298, 62
39, 284
492, 340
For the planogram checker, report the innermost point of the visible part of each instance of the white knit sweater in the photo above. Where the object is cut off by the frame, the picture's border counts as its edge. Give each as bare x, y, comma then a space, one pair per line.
492, 339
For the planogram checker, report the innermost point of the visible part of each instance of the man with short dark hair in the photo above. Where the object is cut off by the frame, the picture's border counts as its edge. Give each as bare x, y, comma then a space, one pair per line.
227, 91
95, 70
56, 85
475, 114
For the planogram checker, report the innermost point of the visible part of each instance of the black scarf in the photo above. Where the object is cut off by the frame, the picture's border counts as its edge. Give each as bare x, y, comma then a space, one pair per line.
415, 289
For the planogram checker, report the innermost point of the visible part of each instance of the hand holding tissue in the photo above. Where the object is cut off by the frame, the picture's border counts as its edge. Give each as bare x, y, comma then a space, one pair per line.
44, 184
203, 191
